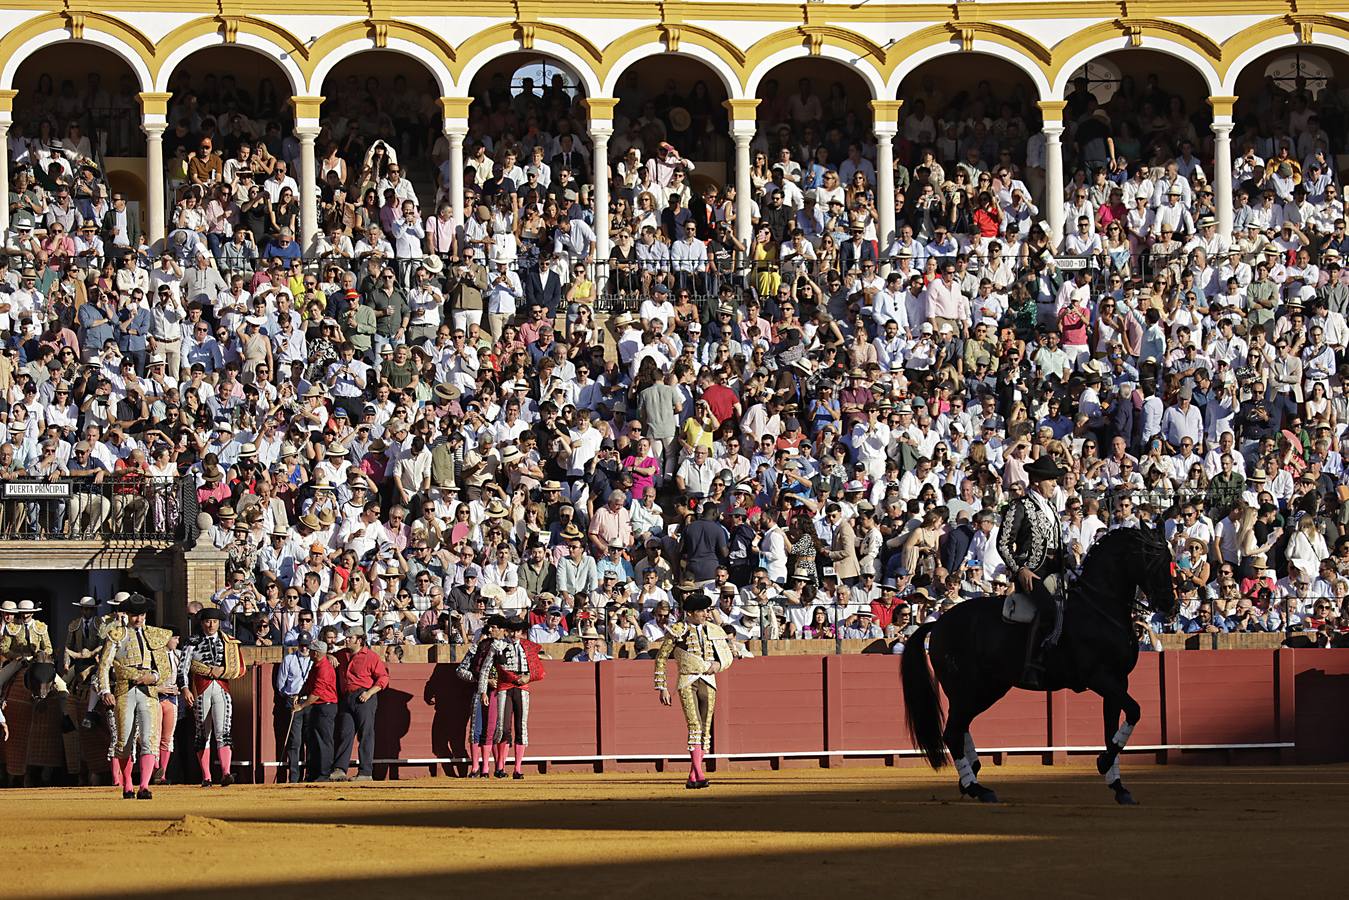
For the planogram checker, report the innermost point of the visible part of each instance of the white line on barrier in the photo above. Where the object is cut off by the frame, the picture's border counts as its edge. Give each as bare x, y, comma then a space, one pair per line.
817, 754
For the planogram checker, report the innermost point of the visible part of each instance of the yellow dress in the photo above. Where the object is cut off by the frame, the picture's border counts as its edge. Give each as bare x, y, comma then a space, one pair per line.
767, 278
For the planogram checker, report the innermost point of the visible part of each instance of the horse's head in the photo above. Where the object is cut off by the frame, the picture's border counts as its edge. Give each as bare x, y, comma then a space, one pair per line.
1158, 581
1132, 558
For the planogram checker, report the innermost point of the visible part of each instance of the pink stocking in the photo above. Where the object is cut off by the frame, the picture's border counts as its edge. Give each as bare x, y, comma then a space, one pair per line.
128, 781
147, 769
204, 757
474, 757
519, 758
164, 760
226, 755
116, 772
696, 764
499, 755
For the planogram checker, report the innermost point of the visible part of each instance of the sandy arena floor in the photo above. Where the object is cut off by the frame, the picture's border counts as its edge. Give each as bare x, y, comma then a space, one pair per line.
885, 832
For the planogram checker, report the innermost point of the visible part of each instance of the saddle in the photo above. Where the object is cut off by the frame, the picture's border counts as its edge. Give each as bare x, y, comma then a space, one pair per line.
1018, 609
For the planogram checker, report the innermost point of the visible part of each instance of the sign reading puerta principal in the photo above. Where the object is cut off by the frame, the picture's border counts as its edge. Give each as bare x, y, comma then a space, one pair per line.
36, 490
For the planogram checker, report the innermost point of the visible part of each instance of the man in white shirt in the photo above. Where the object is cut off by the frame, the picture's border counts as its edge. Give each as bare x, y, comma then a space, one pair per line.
688, 259
408, 233
658, 307
279, 182
504, 292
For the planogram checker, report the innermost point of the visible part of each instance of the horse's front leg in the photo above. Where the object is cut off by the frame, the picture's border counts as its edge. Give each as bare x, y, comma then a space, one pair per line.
1114, 698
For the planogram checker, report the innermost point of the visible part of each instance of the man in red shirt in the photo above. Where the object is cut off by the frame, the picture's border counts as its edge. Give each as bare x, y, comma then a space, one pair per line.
318, 707
361, 675
723, 401
884, 608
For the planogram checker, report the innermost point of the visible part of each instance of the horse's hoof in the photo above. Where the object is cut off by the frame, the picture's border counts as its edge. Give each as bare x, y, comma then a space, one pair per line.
1122, 795
1103, 763
980, 793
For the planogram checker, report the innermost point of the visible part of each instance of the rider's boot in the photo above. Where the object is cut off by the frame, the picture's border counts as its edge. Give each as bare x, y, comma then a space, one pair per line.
1033, 673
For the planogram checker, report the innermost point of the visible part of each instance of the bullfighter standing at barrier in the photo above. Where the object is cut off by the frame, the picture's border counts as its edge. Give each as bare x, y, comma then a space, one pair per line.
700, 650
515, 661
210, 661
131, 666
482, 718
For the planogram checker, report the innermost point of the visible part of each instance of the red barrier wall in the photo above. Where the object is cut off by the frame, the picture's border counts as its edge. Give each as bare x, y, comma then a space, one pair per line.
1233, 705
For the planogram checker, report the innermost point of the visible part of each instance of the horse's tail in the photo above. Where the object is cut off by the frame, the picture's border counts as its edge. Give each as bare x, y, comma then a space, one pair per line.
921, 706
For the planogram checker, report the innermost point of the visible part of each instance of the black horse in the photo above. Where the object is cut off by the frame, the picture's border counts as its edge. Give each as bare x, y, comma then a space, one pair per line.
977, 657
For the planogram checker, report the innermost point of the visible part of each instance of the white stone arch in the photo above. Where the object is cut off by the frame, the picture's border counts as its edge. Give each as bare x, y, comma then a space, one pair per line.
1197, 61
729, 80
255, 43
581, 68
842, 55
910, 63
92, 35
1320, 41
433, 64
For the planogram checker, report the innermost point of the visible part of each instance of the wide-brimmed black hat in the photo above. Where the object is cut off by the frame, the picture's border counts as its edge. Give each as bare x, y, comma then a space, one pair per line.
1044, 468
695, 602
136, 605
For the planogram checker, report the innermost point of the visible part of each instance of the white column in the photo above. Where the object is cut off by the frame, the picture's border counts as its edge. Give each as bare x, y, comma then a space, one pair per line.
4, 174
885, 116
1222, 178
309, 195
6, 118
1222, 160
154, 180
1053, 211
600, 132
885, 182
456, 138
742, 134
1052, 207
454, 121
743, 117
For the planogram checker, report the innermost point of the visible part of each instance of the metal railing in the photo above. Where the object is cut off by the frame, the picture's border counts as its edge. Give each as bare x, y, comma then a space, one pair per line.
117, 509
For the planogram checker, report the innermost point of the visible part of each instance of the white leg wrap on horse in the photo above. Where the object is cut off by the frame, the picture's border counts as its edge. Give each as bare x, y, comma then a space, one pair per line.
965, 771
1112, 774
971, 755
1122, 736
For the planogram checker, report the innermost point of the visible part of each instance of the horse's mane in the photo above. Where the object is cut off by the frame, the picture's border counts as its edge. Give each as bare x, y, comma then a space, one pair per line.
1147, 538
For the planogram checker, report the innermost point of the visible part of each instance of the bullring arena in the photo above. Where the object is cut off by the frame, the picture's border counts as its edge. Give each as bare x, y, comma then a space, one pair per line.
1232, 745
790, 833
545, 429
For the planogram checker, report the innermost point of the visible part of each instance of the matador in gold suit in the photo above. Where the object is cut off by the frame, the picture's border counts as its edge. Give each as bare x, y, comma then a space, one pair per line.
700, 650
132, 665
23, 639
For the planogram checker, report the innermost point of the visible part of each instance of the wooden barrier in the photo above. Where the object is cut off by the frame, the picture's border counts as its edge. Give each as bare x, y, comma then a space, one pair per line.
1249, 706
452, 653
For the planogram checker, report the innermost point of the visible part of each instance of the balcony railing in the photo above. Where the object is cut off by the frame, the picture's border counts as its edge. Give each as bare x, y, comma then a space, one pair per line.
81, 509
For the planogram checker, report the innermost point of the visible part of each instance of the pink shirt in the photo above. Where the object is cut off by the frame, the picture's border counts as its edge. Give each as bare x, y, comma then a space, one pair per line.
610, 526
946, 300
440, 234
